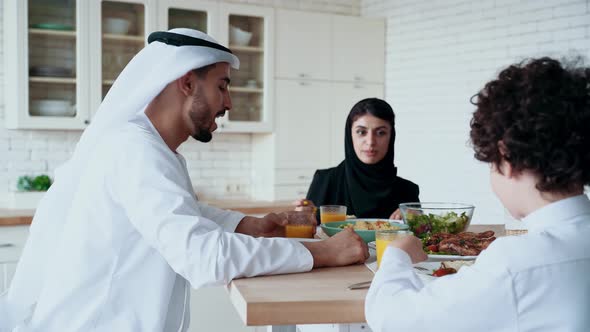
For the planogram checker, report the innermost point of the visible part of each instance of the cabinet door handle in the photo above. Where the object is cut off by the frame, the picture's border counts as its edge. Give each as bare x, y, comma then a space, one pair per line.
304, 83
301, 177
302, 75
358, 78
86, 122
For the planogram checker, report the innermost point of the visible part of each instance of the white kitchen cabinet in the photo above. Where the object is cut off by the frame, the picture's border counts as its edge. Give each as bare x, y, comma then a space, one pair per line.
46, 64
118, 29
303, 124
69, 53
252, 86
15, 237
358, 45
304, 47
199, 15
345, 96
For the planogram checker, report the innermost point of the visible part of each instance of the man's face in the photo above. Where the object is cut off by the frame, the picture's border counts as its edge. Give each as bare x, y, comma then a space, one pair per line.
210, 100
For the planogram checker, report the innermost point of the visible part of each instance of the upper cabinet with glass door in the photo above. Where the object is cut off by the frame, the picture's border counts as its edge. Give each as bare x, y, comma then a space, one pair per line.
122, 27
198, 15
45, 62
248, 30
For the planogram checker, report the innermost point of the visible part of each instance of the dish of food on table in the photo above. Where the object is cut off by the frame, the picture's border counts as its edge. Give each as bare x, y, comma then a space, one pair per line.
461, 244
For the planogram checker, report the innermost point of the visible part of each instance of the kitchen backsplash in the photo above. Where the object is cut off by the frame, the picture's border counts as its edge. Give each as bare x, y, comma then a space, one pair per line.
220, 169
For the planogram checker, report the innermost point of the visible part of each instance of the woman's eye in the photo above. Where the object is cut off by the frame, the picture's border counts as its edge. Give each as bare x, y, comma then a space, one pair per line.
381, 133
360, 132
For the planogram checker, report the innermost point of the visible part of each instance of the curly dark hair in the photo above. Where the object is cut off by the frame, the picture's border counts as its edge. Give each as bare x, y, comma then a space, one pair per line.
536, 116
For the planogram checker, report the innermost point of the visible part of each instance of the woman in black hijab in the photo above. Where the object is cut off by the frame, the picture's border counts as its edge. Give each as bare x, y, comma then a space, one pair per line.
366, 181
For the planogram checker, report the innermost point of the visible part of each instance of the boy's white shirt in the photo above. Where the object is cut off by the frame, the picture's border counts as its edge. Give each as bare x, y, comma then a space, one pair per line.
534, 282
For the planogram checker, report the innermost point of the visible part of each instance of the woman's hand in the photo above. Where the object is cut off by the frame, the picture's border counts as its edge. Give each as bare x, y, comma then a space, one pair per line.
304, 205
396, 215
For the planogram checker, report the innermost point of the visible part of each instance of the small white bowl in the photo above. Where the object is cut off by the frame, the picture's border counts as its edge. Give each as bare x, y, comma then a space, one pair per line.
238, 36
52, 107
116, 25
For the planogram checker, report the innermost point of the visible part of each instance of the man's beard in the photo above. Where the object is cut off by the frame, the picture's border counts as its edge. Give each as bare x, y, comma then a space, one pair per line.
200, 114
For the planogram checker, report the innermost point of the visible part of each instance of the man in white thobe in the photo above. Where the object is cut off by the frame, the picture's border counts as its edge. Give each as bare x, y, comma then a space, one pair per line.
120, 236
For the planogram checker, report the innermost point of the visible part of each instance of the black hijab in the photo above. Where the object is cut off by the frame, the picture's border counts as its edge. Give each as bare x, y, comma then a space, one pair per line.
371, 188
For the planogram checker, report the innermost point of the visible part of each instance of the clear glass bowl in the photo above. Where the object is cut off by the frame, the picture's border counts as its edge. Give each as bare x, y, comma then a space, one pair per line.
435, 217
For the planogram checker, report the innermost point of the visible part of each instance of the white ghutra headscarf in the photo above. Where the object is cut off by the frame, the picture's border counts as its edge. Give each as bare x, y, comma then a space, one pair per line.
168, 56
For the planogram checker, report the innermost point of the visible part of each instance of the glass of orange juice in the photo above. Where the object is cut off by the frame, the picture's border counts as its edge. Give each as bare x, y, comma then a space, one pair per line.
300, 224
384, 237
331, 213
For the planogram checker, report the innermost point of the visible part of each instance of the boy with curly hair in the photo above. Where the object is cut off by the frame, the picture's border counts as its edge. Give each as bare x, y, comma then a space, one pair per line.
532, 125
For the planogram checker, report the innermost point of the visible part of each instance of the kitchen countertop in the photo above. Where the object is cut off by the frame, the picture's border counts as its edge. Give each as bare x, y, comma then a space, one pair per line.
12, 217
316, 297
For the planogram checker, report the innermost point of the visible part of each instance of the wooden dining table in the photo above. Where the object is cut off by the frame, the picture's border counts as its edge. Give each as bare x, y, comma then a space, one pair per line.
320, 296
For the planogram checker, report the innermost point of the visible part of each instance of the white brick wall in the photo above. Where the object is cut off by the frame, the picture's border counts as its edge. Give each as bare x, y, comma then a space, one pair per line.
440, 53
215, 168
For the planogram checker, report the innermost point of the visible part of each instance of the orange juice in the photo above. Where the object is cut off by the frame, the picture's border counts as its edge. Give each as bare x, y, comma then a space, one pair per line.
301, 231
383, 238
331, 217
381, 246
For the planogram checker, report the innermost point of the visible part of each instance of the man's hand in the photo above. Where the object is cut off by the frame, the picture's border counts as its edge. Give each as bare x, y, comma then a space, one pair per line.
396, 215
344, 248
412, 246
271, 225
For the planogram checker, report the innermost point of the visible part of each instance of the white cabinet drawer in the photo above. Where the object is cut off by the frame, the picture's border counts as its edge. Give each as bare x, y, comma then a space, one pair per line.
290, 192
6, 273
294, 176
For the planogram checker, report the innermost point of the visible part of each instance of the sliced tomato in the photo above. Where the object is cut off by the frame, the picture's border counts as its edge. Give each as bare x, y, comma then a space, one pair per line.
443, 272
432, 248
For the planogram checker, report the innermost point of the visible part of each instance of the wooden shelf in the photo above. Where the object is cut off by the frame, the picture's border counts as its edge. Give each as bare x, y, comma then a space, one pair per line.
53, 33
58, 80
246, 49
123, 38
244, 89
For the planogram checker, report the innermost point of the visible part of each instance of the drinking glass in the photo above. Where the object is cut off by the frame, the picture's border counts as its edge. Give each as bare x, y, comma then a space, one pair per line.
384, 237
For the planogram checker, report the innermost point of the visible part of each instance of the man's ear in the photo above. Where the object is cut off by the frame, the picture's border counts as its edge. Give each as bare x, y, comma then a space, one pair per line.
186, 83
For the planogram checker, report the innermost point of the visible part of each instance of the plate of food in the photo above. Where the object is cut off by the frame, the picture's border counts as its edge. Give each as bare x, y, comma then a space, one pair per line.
461, 246
364, 227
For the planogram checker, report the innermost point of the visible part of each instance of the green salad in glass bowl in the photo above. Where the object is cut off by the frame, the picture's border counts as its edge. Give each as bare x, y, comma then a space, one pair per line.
430, 218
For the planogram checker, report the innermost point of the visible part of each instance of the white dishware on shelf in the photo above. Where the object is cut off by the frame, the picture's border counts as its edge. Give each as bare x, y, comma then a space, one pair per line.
116, 25
52, 107
252, 84
238, 36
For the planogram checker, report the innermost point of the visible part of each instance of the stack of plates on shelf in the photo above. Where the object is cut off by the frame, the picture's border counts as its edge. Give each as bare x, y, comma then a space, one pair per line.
52, 26
51, 71
52, 107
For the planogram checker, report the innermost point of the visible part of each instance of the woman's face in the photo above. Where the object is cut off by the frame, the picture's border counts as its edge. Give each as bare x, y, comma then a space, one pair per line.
370, 138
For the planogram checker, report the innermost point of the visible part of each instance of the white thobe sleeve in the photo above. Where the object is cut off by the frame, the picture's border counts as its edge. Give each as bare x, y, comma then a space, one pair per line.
152, 187
227, 219
477, 298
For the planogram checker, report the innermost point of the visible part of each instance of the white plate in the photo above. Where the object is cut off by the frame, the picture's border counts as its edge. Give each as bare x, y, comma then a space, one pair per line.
438, 258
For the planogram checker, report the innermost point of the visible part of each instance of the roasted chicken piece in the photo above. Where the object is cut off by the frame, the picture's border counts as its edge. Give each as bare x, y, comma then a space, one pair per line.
463, 244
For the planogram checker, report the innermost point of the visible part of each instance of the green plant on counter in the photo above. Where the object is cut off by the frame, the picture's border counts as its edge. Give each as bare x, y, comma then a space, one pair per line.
37, 183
